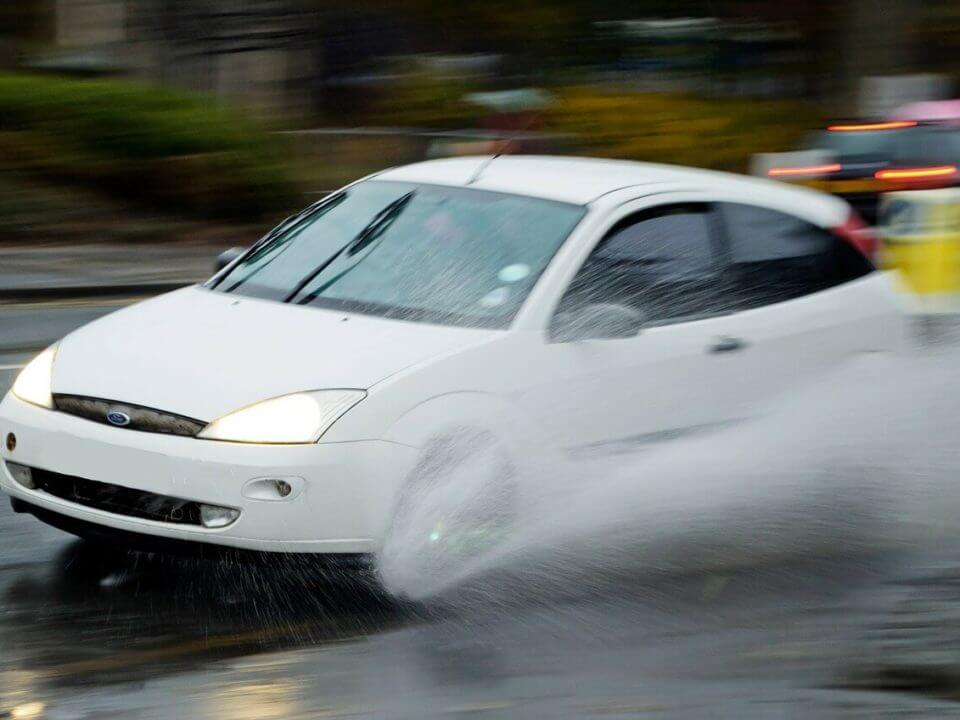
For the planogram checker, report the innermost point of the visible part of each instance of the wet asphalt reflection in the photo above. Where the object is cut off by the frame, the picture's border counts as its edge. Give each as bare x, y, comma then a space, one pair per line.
84, 631
89, 632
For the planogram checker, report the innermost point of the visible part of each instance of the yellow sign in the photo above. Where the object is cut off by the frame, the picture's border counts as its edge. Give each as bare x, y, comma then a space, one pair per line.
921, 239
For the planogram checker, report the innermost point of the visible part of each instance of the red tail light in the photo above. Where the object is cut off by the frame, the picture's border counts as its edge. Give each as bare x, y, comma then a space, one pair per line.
941, 172
856, 232
869, 127
804, 171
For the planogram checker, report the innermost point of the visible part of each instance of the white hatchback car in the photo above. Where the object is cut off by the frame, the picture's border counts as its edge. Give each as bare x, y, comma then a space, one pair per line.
548, 303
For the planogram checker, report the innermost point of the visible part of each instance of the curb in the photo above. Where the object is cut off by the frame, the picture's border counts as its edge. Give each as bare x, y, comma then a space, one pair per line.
73, 292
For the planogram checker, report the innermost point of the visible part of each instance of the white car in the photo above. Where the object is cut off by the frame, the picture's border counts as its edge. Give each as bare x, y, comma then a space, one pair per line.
544, 304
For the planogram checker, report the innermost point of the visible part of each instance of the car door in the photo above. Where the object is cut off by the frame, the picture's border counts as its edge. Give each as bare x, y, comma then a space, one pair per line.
802, 299
666, 263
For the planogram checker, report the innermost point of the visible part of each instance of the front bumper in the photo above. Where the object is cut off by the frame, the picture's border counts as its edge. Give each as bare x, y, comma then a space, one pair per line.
342, 500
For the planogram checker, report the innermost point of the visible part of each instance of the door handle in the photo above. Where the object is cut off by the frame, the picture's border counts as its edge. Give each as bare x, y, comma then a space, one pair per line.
727, 344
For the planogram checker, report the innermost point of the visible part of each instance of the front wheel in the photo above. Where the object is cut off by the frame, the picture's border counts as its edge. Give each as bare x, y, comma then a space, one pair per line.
458, 506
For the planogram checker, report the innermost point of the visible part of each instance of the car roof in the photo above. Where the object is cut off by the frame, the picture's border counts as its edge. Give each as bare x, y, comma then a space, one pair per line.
582, 181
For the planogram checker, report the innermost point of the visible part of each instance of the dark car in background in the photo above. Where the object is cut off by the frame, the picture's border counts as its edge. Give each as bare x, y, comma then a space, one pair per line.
861, 161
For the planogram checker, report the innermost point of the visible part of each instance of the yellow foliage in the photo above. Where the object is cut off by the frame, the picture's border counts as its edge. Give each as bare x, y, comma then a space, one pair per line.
681, 129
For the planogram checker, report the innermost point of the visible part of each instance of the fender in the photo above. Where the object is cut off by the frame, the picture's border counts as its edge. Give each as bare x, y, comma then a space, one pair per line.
462, 412
456, 412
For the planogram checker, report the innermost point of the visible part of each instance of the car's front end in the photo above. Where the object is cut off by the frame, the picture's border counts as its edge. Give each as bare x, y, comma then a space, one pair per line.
200, 418
155, 490
256, 478
250, 412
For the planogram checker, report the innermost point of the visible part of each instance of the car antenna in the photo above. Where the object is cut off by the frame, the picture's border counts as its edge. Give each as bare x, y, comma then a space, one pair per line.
505, 144
481, 167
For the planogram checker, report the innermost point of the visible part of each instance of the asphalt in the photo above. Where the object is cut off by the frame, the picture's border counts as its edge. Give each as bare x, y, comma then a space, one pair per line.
90, 636
87, 633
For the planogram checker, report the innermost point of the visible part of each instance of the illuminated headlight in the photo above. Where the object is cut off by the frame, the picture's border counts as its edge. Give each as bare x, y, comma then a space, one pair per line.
290, 419
33, 383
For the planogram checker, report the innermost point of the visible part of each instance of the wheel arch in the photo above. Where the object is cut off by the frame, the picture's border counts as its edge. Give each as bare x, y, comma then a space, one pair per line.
468, 412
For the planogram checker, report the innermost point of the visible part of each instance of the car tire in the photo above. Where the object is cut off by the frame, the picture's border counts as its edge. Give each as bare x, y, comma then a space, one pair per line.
457, 507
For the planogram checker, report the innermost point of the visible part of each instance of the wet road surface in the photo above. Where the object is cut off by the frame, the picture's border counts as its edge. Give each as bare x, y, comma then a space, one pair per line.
85, 633
132, 638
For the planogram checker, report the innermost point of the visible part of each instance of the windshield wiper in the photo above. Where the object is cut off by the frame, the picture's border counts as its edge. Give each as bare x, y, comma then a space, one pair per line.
255, 251
381, 221
379, 224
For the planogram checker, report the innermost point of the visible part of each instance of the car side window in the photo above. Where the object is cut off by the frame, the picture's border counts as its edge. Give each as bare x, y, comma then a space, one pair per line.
776, 257
661, 262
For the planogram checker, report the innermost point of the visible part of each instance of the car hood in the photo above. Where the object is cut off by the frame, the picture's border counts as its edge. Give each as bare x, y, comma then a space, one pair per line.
203, 354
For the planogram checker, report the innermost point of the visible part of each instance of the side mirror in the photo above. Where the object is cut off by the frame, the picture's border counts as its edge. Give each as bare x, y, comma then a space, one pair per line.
597, 321
227, 257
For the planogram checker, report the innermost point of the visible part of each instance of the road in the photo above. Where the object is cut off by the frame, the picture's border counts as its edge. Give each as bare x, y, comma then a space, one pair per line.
89, 635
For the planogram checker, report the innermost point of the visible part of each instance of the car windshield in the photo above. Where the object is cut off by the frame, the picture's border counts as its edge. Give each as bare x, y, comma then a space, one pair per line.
418, 252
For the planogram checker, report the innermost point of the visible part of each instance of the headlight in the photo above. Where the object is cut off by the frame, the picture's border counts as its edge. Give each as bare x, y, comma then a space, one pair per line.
33, 383
298, 418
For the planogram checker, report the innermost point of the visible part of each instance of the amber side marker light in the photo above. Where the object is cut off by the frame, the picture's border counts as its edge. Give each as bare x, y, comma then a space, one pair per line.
929, 173
867, 127
804, 171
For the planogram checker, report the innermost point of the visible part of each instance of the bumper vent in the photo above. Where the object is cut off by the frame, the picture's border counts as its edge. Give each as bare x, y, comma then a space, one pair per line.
139, 418
117, 500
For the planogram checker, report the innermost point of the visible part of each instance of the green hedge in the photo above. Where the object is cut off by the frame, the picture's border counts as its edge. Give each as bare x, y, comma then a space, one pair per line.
155, 144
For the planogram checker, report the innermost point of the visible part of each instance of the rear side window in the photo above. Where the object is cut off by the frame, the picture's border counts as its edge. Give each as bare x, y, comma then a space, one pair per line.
934, 146
776, 257
662, 262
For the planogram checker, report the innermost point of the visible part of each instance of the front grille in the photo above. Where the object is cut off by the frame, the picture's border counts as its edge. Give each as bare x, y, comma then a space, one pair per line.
118, 500
141, 418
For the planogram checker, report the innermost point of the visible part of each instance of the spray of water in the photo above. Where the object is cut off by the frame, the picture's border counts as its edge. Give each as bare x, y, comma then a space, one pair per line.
863, 458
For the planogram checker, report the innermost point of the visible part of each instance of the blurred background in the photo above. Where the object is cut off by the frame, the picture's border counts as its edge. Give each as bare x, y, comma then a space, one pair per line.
184, 119
169, 130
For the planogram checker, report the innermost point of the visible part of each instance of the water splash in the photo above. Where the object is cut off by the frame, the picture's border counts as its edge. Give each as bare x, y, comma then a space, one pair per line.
862, 458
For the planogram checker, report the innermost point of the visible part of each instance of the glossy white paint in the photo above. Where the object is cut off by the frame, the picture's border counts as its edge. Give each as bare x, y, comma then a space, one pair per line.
338, 510
202, 354
208, 353
587, 180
